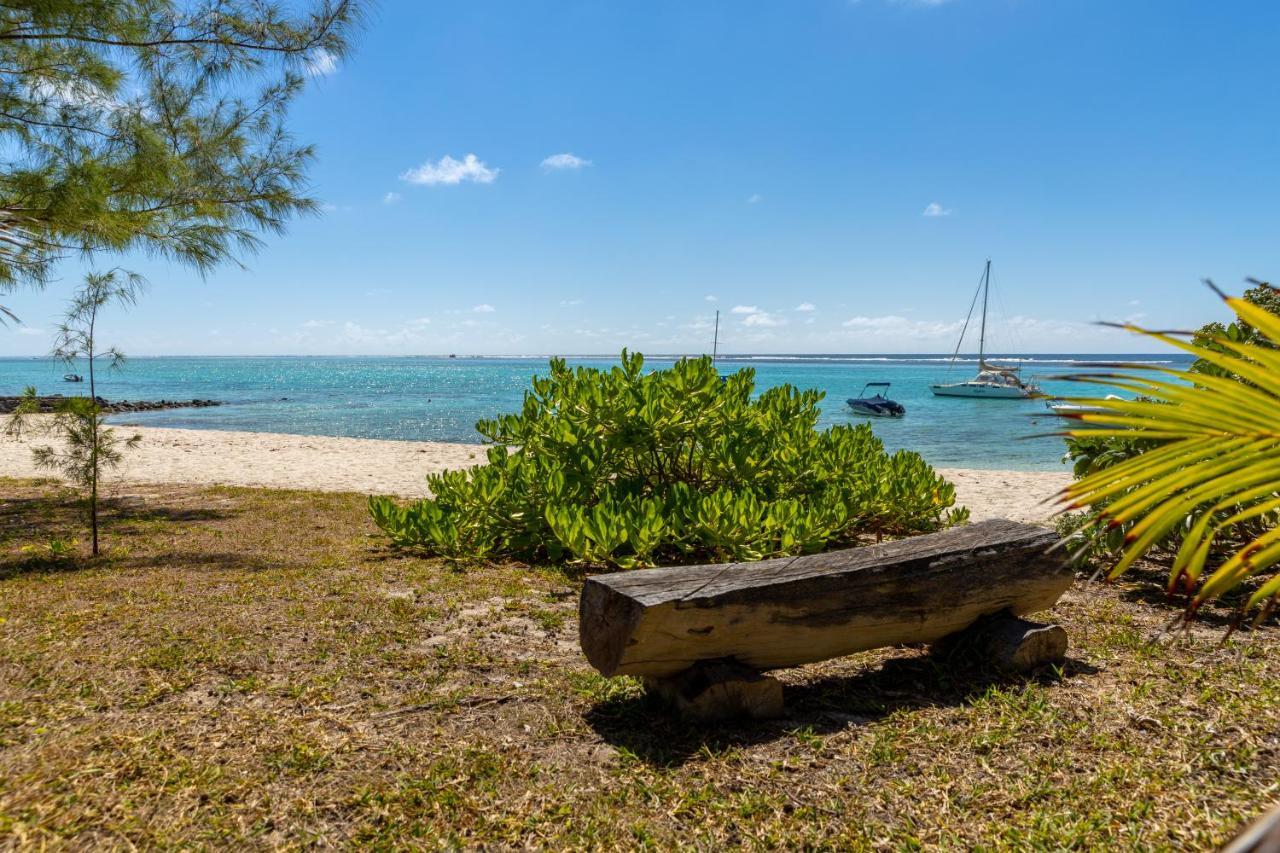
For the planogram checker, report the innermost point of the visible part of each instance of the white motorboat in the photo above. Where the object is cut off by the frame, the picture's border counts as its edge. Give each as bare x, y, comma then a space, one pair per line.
993, 382
1059, 407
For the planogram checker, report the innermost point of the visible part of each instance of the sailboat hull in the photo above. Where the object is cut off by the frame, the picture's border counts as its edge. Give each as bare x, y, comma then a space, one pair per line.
982, 390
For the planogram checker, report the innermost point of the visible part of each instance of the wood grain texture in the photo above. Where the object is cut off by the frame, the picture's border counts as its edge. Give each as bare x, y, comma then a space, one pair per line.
794, 610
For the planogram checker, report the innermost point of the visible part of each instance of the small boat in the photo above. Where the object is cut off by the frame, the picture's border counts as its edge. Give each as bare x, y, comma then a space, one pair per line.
877, 405
1059, 407
715, 347
72, 377
992, 382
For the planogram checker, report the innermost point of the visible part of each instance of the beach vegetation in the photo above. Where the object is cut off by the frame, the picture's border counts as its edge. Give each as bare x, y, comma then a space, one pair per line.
629, 467
89, 448
1191, 466
154, 125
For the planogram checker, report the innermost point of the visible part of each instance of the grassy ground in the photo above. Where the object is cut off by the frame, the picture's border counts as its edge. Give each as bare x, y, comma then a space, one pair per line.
254, 668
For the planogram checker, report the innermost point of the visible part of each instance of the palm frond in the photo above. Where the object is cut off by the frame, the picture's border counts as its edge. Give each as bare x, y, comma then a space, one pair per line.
1213, 476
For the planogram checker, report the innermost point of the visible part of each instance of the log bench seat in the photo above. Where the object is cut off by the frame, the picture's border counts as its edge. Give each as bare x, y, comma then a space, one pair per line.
701, 636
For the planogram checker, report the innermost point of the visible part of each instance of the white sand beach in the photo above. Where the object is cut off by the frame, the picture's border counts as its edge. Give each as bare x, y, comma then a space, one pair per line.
399, 467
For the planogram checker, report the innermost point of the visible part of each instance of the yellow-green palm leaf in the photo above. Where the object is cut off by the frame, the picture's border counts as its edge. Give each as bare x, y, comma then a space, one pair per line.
1215, 470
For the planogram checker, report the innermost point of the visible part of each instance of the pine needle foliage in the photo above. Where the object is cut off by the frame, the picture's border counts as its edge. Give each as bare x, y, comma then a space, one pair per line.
1200, 471
154, 125
624, 467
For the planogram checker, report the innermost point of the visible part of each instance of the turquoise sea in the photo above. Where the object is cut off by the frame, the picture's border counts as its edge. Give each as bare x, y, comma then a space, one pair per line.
440, 399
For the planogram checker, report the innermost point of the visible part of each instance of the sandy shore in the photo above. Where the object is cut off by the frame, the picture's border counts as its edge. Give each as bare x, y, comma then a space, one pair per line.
399, 467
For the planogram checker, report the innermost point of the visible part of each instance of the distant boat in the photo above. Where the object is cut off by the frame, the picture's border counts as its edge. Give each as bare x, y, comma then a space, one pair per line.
1059, 407
72, 377
992, 382
715, 347
878, 405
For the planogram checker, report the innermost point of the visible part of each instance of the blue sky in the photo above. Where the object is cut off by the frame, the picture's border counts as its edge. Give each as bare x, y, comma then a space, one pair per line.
572, 176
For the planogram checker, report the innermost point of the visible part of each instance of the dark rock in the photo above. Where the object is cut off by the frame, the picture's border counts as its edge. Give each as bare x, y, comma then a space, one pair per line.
49, 402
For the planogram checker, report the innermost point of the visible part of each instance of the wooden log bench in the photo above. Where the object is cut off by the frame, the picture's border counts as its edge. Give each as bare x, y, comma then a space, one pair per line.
702, 636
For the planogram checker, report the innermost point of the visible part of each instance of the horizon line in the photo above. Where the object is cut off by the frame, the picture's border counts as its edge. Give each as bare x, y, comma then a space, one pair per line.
612, 355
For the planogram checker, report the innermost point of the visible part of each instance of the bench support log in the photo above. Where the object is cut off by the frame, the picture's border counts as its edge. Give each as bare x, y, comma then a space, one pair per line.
719, 690
1008, 643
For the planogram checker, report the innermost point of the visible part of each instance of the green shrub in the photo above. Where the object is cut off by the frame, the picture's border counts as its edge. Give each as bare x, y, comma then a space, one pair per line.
627, 468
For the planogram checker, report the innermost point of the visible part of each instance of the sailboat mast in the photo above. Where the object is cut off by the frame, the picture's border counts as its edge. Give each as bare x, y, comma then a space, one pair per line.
715, 342
982, 334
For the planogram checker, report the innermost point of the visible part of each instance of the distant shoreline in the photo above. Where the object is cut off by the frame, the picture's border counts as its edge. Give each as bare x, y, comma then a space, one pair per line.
379, 466
1046, 357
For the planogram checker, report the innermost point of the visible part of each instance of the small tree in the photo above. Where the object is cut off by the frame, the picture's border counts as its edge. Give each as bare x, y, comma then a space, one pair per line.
89, 446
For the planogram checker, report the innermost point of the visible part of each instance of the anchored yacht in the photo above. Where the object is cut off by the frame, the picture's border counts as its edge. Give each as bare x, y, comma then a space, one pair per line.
993, 381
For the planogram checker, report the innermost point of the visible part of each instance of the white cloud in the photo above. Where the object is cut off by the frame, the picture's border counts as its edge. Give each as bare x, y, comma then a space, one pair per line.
565, 303
317, 324
900, 331
559, 162
486, 308
806, 307
420, 321
711, 298
391, 198
30, 331
935, 209
755, 198
763, 319
322, 63
449, 172
744, 309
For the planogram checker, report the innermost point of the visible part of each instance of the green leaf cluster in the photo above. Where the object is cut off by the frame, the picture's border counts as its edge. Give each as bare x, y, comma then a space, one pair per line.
1203, 477
629, 467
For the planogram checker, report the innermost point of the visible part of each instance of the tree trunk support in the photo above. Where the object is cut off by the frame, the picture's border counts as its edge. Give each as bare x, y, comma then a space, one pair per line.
1008, 643
716, 690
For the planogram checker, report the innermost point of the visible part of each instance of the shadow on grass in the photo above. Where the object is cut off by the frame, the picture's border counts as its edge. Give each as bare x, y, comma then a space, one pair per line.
127, 513
49, 564
40, 516
1146, 584
644, 726
51, 534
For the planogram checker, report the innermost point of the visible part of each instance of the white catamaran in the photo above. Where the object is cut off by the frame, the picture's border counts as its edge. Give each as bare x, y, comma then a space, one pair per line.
992, 382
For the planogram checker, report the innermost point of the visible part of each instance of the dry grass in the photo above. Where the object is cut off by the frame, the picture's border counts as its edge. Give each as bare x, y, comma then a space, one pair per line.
254, 668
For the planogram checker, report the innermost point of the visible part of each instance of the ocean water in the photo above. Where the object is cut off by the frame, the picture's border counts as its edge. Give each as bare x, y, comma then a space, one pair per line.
440, 399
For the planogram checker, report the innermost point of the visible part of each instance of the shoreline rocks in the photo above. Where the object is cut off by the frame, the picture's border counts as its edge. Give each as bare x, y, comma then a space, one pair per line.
48, 402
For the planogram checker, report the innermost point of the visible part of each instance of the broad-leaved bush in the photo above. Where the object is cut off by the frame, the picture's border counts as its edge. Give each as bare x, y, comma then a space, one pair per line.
626, 468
